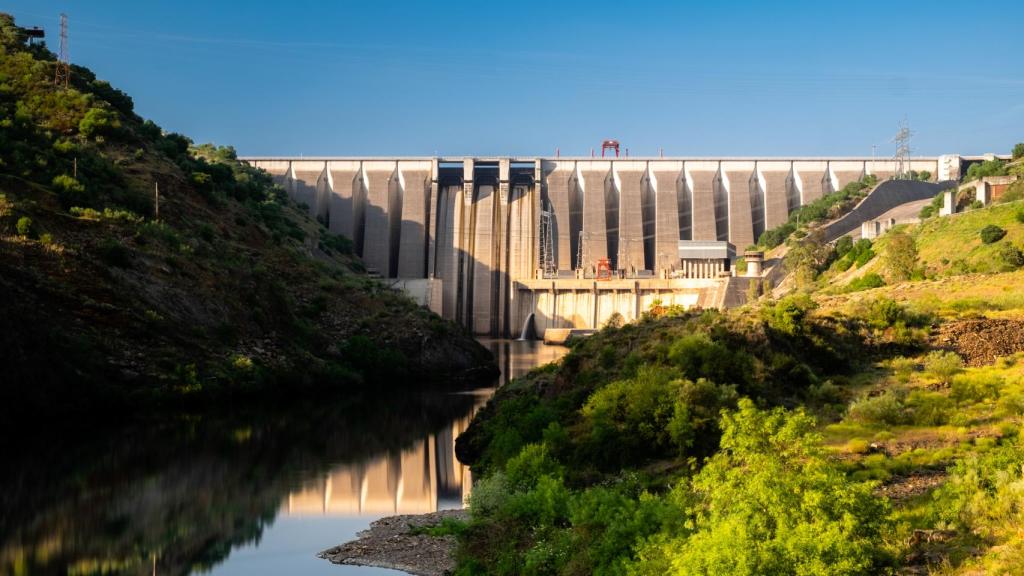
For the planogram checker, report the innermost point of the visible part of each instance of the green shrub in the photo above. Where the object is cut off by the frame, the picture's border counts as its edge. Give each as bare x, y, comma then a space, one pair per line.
886, 408
770, 503
70, 191
975, 387
1020, 216
943, 365
24, 226
1012, 403
983, 493
787, 314
338, 243
651, 415
975, 204
98, 122
698, 356
929, 408
1010, 257
843, 246
992, 233
994, 167
865, 282
85, 213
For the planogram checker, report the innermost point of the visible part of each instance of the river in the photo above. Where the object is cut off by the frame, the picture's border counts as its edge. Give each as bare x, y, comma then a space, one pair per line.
249, 492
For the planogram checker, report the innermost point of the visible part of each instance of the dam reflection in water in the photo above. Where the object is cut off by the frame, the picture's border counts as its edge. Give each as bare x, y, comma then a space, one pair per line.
247, 493
421, 478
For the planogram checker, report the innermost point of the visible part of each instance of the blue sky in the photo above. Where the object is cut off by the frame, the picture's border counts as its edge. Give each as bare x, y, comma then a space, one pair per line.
524, 78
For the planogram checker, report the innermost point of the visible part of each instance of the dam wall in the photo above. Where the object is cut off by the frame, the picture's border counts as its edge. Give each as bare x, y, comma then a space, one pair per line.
474, 225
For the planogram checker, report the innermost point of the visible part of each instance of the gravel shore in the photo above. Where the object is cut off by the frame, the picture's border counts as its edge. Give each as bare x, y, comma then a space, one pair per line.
390, 543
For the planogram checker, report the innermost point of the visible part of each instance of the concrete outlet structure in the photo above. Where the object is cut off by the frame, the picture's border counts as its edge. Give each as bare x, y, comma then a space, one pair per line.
516, 240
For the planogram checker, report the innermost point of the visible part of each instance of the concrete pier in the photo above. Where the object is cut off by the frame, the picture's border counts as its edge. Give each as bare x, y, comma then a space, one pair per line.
473, 225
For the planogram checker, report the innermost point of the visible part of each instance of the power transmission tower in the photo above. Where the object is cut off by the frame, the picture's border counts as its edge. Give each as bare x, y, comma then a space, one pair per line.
902, 158
63, 73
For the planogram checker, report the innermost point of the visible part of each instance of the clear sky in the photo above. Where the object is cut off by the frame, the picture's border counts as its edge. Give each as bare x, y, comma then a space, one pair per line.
391, 77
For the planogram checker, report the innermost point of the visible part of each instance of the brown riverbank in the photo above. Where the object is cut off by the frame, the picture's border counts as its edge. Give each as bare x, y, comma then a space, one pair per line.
398, 542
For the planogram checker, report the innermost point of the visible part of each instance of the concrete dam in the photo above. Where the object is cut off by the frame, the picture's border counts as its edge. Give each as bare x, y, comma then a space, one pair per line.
488, 242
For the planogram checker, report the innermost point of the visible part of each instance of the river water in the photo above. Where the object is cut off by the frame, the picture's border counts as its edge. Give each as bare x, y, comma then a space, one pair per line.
247, 493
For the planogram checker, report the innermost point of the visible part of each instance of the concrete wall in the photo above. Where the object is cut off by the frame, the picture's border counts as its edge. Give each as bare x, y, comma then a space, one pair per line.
600, 202
775, 179
557, 185
700, 179
341, 180
377, 234
842, 173
480, 238
737, 178
630, 180
811, 179
666, 179
415, 186
304, 180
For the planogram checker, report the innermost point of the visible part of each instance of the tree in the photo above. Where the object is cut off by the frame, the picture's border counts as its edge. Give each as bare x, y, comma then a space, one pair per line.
1018, 151
807, 257
900, 256
770, 503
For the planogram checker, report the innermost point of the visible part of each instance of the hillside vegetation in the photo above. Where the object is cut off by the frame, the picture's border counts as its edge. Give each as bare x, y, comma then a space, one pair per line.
868, 423
226, 289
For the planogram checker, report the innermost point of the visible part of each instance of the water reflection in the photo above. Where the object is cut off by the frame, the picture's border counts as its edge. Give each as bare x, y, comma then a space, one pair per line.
424, 477
253, 493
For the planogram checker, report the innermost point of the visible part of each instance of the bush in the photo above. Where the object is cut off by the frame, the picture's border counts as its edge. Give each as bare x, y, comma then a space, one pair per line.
983, 493
929, 408
1010, 257
70, 191
975, 387
770, 503
24, 226
651, 415
865, 282
943, 365
886, 408
994, 167
787, 314
991, 234
98, 122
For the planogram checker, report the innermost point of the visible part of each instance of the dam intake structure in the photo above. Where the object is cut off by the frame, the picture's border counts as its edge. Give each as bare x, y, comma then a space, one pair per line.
488, 241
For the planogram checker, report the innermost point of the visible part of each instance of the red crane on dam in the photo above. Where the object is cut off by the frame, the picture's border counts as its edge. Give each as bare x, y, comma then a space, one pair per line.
610, 145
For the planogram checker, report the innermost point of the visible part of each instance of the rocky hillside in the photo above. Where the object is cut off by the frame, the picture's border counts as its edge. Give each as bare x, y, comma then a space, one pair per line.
111, 295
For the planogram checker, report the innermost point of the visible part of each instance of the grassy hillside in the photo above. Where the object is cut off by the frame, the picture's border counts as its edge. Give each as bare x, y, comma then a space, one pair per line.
859, 426
228, 291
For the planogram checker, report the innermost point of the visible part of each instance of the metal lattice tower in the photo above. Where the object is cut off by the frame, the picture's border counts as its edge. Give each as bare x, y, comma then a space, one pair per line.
902, 157
63, 73
581, 252
547, 247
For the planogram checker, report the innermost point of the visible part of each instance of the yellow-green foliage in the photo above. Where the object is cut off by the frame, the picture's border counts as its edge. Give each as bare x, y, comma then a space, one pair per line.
770, 504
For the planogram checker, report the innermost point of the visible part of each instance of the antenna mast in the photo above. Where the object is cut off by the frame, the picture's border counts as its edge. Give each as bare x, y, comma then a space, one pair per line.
63, 73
